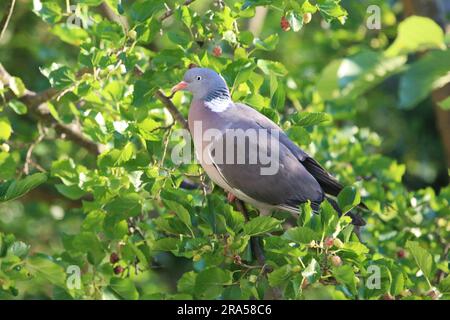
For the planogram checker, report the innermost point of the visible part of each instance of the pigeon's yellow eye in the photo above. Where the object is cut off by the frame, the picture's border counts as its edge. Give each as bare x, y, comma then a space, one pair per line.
199, 78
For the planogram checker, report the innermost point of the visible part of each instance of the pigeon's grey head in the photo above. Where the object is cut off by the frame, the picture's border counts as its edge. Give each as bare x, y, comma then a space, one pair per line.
202, 83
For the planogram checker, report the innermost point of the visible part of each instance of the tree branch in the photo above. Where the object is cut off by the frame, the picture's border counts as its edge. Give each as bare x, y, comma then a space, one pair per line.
111, 15
170, 12
33, 100
176, 114
6, 18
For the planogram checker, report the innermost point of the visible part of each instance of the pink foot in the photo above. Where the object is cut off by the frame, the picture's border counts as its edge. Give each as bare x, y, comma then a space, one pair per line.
231, 197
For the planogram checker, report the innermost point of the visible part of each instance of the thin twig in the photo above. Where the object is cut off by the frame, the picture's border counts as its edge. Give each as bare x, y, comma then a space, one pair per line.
42, 133
170, 12
7, 17
176, 114
33, 100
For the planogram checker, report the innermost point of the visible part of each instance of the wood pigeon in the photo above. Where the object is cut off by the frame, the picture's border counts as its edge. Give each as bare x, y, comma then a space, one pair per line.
297, 177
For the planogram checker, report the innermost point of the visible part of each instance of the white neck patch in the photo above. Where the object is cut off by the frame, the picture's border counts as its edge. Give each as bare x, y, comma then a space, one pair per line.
219, 104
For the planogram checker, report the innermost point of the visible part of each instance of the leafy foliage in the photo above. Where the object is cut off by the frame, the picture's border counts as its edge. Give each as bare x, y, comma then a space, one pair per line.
123, 218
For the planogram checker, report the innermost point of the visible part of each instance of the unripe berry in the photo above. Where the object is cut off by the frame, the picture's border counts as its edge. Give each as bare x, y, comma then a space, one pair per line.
217, 51
114, 258
132, 34
118, 270
307, 18
4, 147
284, 23
336, 261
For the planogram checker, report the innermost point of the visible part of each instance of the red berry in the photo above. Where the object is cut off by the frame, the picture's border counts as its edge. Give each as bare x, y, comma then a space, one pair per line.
118, 270
217, 51
114, 258
284, 23
401, 253
328, 242
336, 261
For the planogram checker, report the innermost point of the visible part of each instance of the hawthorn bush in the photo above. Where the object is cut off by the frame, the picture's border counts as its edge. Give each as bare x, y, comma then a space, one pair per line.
93, 207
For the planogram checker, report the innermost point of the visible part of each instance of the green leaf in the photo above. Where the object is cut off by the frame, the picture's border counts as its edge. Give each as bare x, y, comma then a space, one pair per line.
359, 73
423, 259
186, 284
416, 34
306, 119
18, 188
444, 285
330, 10
345, 275
299, 135
429, 73
89, 242
209, 282
269, 67
18, 107
268, 44
70, 33
181, 212
8, 166
124, 288
16, 85
44, 268
312, 271
125, 206
72, 192
261, 225
348, 198
279, 275
302, 235
5, 129
295, 21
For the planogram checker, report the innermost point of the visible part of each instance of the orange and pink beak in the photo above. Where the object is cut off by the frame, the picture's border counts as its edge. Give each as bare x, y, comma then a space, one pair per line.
180, 86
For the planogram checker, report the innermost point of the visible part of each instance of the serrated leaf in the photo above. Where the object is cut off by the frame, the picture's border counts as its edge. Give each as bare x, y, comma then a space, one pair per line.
422, 257
301, 235
429, 73
46, 269
209, 282
345, 275
414, 34
18, 107
261, 225
348, 198
268, 44
306, 119
124, 288
18, 188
